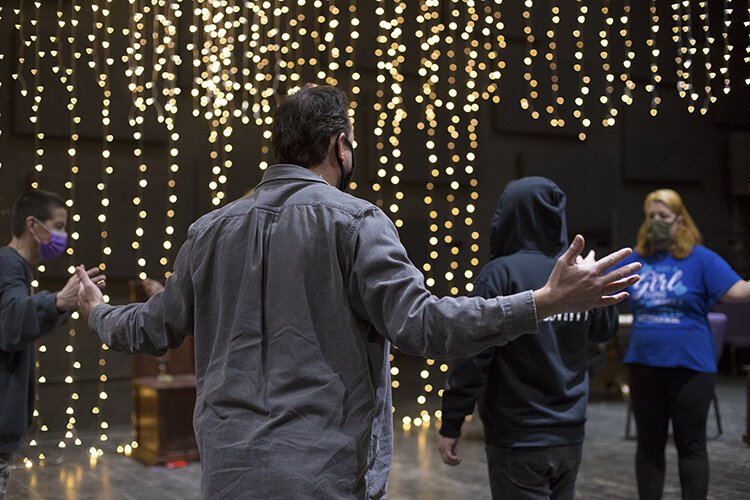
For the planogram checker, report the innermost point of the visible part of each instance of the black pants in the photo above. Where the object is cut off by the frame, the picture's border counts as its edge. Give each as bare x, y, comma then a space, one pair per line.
682, 395
534, 473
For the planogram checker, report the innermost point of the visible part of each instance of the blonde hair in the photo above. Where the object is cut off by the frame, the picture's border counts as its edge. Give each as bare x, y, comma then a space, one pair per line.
687, 236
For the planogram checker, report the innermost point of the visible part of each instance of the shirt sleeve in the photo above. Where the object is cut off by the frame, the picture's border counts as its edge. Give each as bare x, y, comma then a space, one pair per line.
468, 378
718, 276
153, 326
466, 385
387, 290
23, 317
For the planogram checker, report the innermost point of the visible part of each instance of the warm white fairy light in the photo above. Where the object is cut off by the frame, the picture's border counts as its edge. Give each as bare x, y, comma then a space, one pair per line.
579, 67
654, 58
528, 61
627, 63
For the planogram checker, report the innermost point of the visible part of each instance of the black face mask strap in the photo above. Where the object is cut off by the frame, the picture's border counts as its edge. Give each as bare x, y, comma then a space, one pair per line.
344, 180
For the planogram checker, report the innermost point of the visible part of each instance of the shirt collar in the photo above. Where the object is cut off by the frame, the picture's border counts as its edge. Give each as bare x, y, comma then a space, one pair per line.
287, 172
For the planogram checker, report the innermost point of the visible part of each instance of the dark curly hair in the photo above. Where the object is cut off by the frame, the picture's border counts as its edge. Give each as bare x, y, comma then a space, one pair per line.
305, 122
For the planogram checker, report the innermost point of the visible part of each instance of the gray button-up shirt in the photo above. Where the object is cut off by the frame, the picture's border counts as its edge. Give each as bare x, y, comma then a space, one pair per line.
294, 295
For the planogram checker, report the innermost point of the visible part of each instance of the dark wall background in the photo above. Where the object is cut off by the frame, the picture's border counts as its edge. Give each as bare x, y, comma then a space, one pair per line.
706, 158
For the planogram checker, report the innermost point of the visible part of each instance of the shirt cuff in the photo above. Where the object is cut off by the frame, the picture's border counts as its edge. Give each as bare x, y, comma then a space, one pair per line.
520, 312
95, 318
451, 428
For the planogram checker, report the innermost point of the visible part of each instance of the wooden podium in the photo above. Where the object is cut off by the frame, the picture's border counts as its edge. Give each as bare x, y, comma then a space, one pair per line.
163, 401
164, 419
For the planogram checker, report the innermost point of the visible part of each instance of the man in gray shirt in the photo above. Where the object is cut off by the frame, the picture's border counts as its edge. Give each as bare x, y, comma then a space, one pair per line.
294, 295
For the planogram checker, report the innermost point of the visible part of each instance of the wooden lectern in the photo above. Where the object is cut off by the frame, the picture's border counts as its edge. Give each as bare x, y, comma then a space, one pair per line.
163, 401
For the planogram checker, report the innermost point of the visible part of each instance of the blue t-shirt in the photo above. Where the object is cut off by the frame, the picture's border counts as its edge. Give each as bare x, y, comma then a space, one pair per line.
670, 306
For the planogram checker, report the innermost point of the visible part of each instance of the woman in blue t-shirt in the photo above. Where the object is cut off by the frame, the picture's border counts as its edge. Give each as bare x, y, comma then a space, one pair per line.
672, 354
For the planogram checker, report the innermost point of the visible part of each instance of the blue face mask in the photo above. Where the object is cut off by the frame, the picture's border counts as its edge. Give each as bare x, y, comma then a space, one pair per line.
57, 245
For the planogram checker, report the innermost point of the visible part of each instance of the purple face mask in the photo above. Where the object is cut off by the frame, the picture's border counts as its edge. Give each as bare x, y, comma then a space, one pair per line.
58, 243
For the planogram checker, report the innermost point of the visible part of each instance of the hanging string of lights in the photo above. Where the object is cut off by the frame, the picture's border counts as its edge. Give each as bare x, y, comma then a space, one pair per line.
171, 92
689, 59
38, 93
728, 47
679, 40
627, 63
553, 109
68, 77
605, 54
654, 59
102, 64
489, 63
137, 123
531, 53
579, 67
708, 41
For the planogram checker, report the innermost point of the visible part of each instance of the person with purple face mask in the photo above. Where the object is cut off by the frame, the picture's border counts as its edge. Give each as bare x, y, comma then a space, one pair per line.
38, 235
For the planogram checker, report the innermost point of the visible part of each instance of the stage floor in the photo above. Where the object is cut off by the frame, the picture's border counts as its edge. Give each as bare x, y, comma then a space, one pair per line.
417, 473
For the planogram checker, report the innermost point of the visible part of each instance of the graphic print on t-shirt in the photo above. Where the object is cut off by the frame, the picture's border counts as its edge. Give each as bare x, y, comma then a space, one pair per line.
660, 289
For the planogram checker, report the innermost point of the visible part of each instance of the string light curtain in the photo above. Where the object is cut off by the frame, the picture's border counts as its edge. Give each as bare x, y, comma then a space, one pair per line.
244, 57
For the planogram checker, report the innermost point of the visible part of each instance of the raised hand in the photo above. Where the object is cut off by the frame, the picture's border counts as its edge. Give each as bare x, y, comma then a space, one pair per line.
67, 297
89, 294
578, 286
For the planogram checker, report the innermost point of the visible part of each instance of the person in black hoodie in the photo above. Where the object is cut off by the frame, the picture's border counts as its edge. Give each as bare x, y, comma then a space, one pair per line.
38, 234
532, 392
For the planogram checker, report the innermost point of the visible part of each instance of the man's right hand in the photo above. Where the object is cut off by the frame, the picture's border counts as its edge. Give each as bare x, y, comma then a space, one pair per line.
449, 450
575, 287
89, 295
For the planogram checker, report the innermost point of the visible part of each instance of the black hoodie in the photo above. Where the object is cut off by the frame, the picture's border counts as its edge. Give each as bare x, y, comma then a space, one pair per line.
532, 391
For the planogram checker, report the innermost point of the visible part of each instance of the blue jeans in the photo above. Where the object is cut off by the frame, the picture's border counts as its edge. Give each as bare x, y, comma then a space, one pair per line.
534, 473
4, 472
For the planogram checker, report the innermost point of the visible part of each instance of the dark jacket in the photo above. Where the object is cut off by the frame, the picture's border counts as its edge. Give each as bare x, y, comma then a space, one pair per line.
23, 319
533, 391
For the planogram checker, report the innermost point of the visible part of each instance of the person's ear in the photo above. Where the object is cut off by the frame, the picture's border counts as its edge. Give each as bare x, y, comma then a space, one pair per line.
341, 146
30, 223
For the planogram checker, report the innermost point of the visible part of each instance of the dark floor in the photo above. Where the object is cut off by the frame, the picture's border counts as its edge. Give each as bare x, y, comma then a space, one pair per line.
417, 473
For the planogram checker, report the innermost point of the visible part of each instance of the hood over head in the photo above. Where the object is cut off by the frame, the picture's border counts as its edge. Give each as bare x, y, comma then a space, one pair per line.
530, 215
